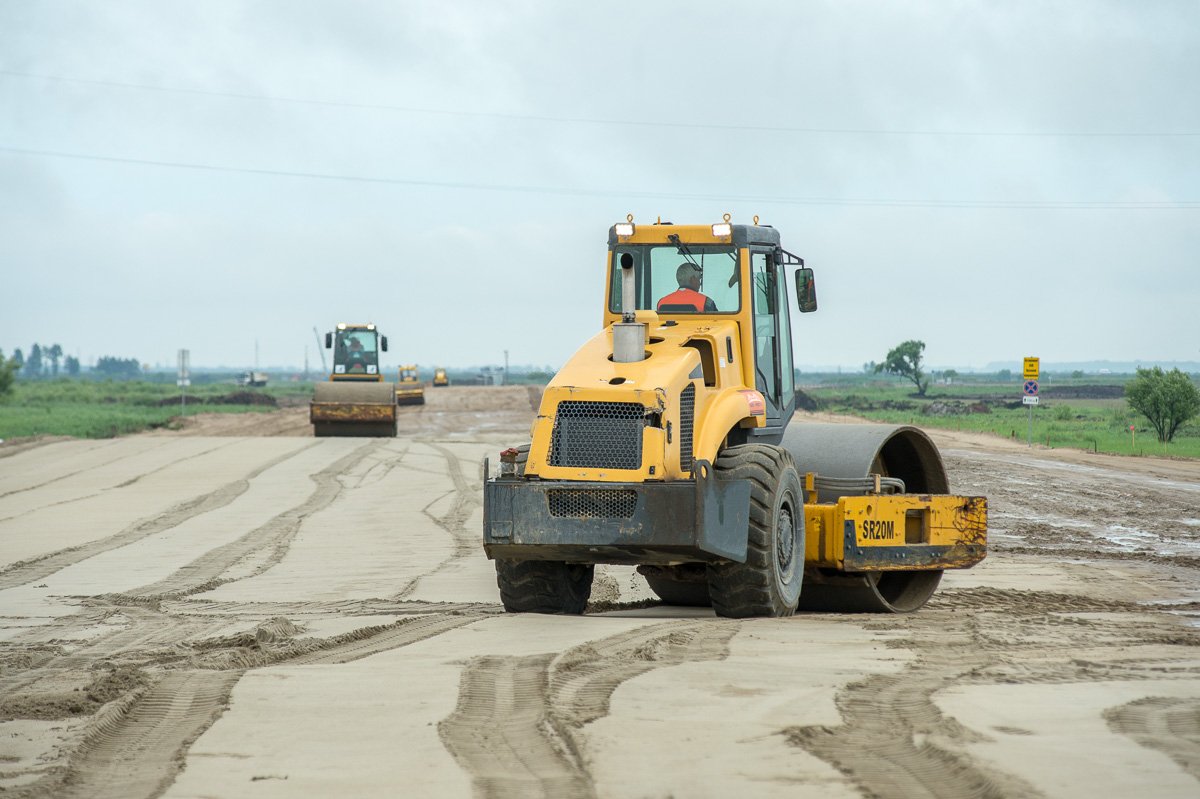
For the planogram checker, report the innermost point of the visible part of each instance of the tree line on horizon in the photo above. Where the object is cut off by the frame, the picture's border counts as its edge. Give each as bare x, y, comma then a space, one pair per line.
47, 362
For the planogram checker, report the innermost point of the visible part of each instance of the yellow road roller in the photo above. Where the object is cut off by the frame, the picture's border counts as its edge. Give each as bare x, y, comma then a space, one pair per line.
667, 443
409, 388
354, 401
440, 378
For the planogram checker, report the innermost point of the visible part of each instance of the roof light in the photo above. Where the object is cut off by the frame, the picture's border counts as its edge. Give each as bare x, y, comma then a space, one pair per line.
624, 228
722, 229
341, 325
370, 327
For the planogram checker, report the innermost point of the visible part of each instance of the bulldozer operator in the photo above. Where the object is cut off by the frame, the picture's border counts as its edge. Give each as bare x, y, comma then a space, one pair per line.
687, 298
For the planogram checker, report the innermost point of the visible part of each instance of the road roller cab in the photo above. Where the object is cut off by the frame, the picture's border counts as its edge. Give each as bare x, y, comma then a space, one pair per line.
355, 401
666, 442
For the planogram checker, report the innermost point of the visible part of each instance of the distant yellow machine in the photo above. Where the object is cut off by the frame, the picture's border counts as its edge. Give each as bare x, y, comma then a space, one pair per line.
409, 388
665, 443
355, 401
440, 378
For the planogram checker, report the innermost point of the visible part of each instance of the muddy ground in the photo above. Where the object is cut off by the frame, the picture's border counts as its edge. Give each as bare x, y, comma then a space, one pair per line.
238, 609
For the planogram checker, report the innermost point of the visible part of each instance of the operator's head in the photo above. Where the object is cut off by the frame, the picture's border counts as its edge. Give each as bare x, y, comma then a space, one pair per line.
688, 276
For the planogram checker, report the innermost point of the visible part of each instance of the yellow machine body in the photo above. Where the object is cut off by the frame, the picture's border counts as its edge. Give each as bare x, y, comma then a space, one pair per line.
354, 401
409, 388
695, 389
904, 532
440, 378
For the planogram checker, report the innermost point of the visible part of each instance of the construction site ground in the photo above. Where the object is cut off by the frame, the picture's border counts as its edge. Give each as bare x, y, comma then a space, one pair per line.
238, 609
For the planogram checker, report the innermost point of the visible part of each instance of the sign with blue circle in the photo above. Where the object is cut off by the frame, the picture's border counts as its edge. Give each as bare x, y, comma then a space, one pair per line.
1031, 388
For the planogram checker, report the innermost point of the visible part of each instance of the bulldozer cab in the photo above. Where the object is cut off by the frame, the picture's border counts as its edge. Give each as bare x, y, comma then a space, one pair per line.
356, 352
698, 274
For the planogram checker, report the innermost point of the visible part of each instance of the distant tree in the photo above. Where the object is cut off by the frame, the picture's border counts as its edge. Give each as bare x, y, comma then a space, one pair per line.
869, 368
1005, 375
1077, 374
54, 354
8, 374
72, 366
33, 364
904, 360
950, 374
18, 358
123, 368
1167, 399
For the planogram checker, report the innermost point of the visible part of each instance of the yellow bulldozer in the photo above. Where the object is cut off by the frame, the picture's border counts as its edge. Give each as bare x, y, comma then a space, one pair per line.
409, 388
354, 401
440, 378
665, 443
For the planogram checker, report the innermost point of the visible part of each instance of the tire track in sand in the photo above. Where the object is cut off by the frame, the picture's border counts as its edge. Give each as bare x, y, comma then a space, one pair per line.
517, 727
136, 745
30, 571
93, 494
466, 500
1167, 725
273, 538
135, 749
894, 740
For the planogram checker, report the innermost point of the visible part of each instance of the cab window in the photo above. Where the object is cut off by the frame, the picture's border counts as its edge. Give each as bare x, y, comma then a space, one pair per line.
702, 280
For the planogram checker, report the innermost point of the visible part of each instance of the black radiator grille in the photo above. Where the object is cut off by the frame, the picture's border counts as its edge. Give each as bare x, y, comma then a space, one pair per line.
592, 503
598, 435
687, 412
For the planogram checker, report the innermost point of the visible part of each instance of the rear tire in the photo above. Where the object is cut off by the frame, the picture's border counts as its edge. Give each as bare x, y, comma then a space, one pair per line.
544, 586
768, 583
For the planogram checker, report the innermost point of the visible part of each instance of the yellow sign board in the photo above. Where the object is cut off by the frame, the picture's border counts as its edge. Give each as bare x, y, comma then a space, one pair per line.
1031, 368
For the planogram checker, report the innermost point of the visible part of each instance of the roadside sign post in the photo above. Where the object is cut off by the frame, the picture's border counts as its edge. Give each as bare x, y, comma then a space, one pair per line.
184, 379
1030, 397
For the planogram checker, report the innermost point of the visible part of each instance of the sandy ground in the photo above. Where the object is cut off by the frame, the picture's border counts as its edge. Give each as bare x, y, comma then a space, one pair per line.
238, 609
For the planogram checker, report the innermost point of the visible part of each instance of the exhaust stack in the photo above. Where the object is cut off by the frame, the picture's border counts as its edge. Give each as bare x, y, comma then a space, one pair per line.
629, 337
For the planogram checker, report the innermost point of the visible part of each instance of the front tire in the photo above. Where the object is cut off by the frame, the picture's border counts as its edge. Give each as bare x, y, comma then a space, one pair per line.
544, 586
768, 583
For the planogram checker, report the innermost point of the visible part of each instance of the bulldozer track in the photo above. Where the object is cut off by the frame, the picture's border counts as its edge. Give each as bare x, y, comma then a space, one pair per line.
272, 538
32, 570
517, 726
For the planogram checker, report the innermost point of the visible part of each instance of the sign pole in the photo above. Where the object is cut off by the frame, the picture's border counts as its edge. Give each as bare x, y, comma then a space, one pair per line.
1031, 372
184, 379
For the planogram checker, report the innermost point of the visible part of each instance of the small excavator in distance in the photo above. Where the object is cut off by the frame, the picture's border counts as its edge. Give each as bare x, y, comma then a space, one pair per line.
666, 443
354, 401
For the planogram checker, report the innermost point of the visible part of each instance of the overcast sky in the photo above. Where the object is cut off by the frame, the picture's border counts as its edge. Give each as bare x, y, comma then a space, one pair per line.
995, 179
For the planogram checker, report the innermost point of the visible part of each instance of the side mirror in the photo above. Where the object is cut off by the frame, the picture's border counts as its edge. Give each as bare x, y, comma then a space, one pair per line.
383, 342
328, 340
806, 290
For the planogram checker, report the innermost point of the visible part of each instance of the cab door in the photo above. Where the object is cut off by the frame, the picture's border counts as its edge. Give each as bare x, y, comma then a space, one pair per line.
774, 374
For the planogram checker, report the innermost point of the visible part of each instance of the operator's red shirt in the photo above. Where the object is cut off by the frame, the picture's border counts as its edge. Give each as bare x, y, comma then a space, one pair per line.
686, 296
